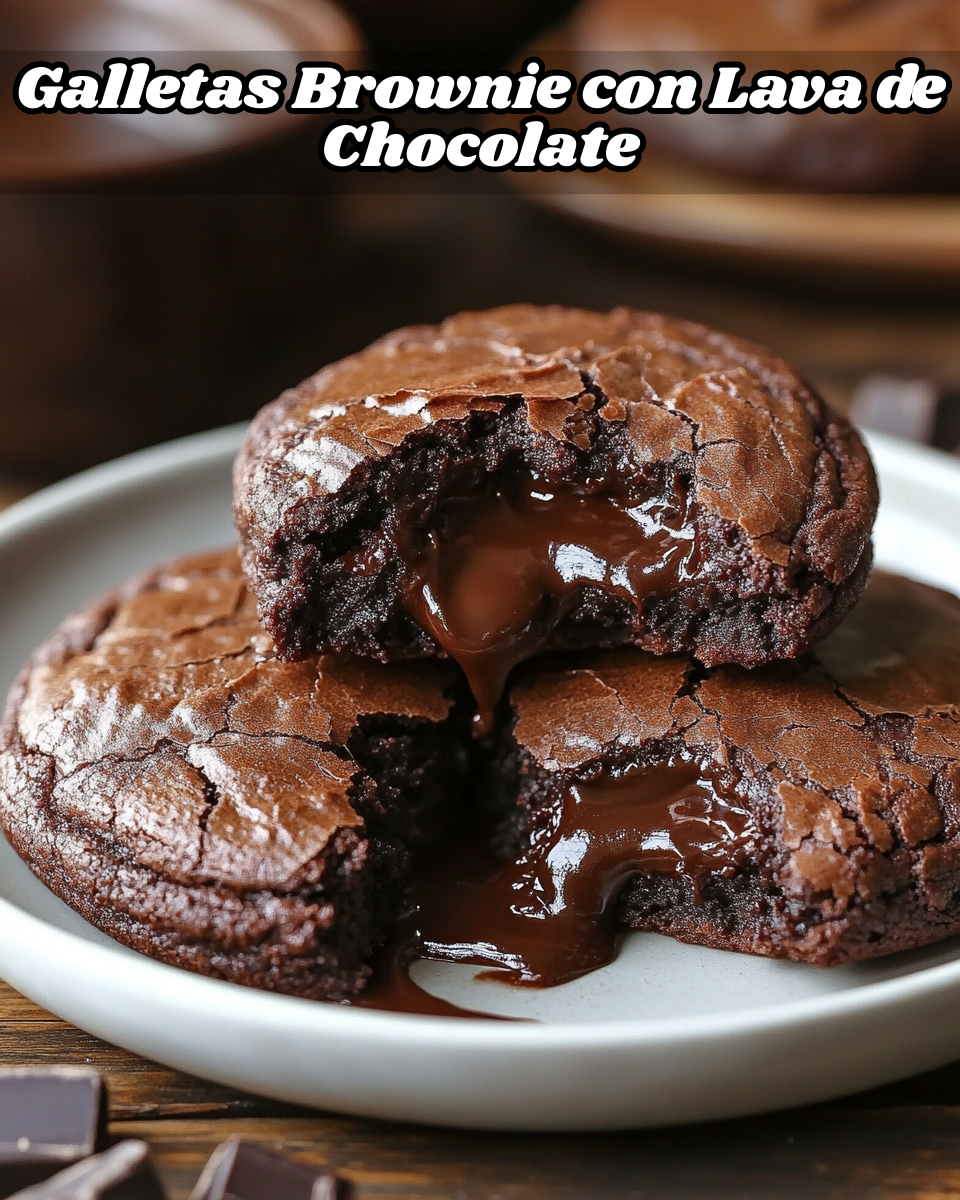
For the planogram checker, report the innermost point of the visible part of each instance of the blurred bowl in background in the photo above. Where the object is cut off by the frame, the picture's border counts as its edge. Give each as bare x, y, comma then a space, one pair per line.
822, 151
680, 206
130, 313
68, 149
900, 246
452, 35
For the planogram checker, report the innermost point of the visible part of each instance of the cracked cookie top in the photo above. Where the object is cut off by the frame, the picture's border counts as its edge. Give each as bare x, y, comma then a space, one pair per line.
855, 749
756, 438
161, 718
723, 508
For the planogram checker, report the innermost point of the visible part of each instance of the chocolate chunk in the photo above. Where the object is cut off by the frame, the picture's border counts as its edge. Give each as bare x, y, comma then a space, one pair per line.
240, 1170
920, 410
806, 810
528, 479
50, 1117
214, 807
121, 1173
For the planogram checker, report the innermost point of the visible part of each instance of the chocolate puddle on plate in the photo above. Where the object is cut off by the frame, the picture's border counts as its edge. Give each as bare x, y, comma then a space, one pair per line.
549, 915
498, 572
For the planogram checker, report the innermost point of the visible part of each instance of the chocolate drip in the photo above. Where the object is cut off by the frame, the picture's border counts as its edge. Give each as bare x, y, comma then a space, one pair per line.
499, 572
549, 915
393, 990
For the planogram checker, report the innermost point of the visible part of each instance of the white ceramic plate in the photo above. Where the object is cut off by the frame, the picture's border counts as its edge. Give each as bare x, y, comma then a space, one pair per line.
668, 1033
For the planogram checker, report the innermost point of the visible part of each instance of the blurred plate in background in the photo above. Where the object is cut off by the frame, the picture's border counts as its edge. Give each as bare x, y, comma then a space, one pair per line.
129, 314
68, 149
760, 211
897, 236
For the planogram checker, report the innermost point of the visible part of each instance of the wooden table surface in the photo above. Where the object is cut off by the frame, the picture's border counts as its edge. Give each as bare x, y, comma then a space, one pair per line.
899, 1141
415, 260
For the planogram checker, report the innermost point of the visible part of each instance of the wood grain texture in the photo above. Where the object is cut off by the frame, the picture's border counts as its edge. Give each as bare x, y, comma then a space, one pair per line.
862, 1147
32, 1037
822, 1154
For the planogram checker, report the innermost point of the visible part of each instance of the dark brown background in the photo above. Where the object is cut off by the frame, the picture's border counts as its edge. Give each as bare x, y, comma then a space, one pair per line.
128, 319
901, 1141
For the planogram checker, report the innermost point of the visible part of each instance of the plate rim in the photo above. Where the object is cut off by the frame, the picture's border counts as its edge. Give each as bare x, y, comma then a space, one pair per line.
671, 213
253, 1006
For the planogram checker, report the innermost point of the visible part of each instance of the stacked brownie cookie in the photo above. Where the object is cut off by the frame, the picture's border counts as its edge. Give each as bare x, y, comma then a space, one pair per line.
577, 583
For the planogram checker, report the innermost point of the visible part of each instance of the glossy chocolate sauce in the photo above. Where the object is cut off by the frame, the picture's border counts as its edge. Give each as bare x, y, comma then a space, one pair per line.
500, 570
550, 915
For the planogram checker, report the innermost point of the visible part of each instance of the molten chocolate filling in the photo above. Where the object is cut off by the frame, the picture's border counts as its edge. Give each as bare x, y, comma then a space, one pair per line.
497, 572
550, 914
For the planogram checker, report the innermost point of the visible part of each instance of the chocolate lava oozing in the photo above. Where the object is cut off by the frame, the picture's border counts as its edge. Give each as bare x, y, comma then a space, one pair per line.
548, 915
808, 810
360, 495
499, 571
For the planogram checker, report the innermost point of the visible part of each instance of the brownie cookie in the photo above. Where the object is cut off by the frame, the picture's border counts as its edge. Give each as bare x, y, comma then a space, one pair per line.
527, 479
201, 801
809, 810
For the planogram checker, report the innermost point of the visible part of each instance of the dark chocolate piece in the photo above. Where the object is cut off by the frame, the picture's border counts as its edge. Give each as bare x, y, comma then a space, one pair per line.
920, 410
50, 1117
721, 507
824, 808
207, 804
121, 1173
240, 1170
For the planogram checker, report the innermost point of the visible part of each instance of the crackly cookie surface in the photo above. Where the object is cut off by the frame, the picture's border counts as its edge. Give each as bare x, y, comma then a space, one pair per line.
389, 505
821, 820
172, 780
